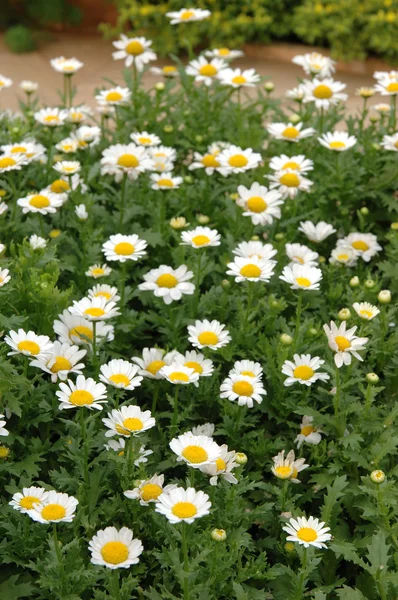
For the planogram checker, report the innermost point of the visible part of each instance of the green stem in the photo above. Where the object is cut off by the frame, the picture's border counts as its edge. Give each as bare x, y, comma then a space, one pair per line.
368, 399
301, 584
85, 447
338, 415
381, 590
284, 494
298, 318
197, 284
59, 557
114, 584
186, 565
95, 348
155, 398
129, 458
321, 118
123, 285
175, 412
122, 201
50, 151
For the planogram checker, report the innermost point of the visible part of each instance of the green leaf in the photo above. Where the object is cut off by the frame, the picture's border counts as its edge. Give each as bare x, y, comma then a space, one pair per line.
11, 590
347, 593
378, 552
334, 493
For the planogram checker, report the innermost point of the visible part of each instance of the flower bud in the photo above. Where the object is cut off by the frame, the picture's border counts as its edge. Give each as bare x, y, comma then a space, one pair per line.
2, 193
344, 314
373, 118
289, 547
294, 118
15, 129
240, 458
394, 226
269, 86
313, 331
219, 535
286, 339
364, 211
369, 284
4, 451
159, 86
203, 219
279, 236
168, 128
54, 233
178, 222
376, 146
321, 259
274, 303
199, 139
372, 378
225, 284
354, 281
255, 238
234, 196
188, 179
378, 476
384, 297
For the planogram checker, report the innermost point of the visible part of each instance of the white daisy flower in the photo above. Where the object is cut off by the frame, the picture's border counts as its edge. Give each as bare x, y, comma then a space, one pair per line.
30, 149
67, 146
237, 160
243, 389
54, 508
308, 433
303, 369
248, 368
3, 431
94, 309
259, 203
289, 132
296, 93
5, 277
307, 532
344, 343
302, 277
222, 467
121, 248
224, 53
183, 505
314, 63
78, 114
208, 161
382, 108
97, 271
339, 141
43, 202
187, 15
25, 500
143, 138
67, 167
204, 70
301, 255
67, 66
206, 429
162, 158
168, 283
120, 374
129, 420
134, 51
59, 187
87, 136
51, 117
121, 159
12, 162
195, 360
152, 362
3, 208
345, 255
391, 75
365, 310
390, 142
200, 237
119, 445
178, 374
72, 329
85, 392
208, 334
5, 82
250, 249
29, 343
238, 78
324, 92
165, 181
168, 71
29, 86
387, 85
63, 361
149, 490
103, 290
289, 183
364, 244
81, 212
289, 467
316, 232
251, 269
293, 163
115, 96
115, 549
195, 450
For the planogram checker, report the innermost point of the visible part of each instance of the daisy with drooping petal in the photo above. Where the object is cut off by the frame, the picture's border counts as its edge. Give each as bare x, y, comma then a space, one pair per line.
316, 232
308, 532
121, 247
152, 361
183, 505
365, 245
339, 141
43, 202
67, 66
5, 82
187, 15
85, 392
3, 431
29, 343
224, 53
302, 277
114, 96
314, 63
250, 249
222, 467
73, 329
344, 343
289, 183
86, 136
51, 117
5, 277
324, 92
94, 309
125, 159
289, 132
67, 167
115, 549
149, 490
120, 374
204, 70
129, 420
54, 508
344, 255
195, 450
63, 361
195, 360
25, 500
168, 283
13, 162
301, 255
293, 163
308, 433
97, 271
390, 142
238, 78
179, 374
251, 269
143, 138
208, 334
303, 369
165, 181
259, 203
365, 310
102, 290
200, 237
247, 368
134, 51
288, 467
237, 160
243, 389
119, 446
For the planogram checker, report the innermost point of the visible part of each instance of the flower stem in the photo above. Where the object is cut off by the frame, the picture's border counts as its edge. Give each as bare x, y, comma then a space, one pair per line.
175, 413
95, 347
122, 200
186, 565
298, 317
301, 584
129, 458
155, 399
340, 426
114, 584
85, 448
59, 557
123, 285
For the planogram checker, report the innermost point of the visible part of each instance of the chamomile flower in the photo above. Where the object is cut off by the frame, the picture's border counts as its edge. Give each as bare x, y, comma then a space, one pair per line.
289, 132
43, 202
250, 249
72, 329
238, 78
63, 361
365, 245
224, 53
61, 188
365, 310
143, 138
195, 450
183, 505
81, 212
67, 167
125, 159
187, 15
115, 96
316, 232
51, 117
259, 203
152, 361
129, 420
85, 392
87, 136
67, 146
3, 208
94, 309
3, 431
12, 162
178, 374
324, 92
54, 508
382, 108
296, 93
222, 467
102, 290
303, 369
314, 63
29, 344
344, 343
120, 374
308, 532
29, 86
167, 71
119, 446
208, 161
390, 142
204, 70
200, 237
298, 163
165, 181
289, 467
387, 85
289, 183
97, 271
162, 158
115, 549
243, 389
206, 429
168, 283
248, 368
5, 82
339, 141
121, 248
149, 490
78, 114
301, 255
237, 160
5, 277
308, 433
208, 334
67, 66
30, 149
194, 360
134, 51
302, 277
25, 500
344, 254
251, 269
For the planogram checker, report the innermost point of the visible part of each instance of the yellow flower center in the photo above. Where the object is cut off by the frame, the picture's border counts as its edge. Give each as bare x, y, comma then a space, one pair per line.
120, 378
289, 180
307, 534
18, 149
150, 491
130, 424
97, 271
209, 160
195, 454
306, 430
144, 140
200, 240
256, 204
237, 160
291, 165
243, 388
169, 69
208, 338
4, 452
290, 132
129, 161
303, 372
366, 313
59, 186
360, 245
298, 259
61, 364
39, 201
77, 116
124, 249
303, 281
221, 464
250, 271
392, 87
184, 510
67, 148
81, 398
106, 295
187, 14
51, 119
134, 48
155, 366
165, 182
113, 97
28, 502
28, 346
81, 332
322, 92
224, 51
53, 512
194, 365
179, 376
342, 343
208, 70
284, 471
114, 553
343, 257
248, 373
337, 144
94, 311
167, 281
239, 80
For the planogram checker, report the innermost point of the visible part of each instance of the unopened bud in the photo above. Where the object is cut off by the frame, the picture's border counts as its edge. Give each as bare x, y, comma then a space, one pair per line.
364, 211
372, 378
168, 128
294, 118
344, 314
269, 86
225, 284
313, 331
219, 535
289, 547
188, 179
279, 236
203, 219
160, 86
286, 339
369, 284
240, 458
199, 139
255, 238
384, 297
378, 476
394, 226
354, 281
